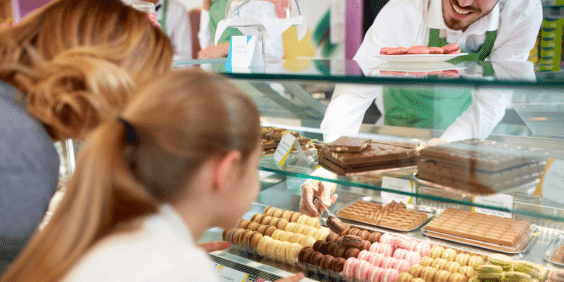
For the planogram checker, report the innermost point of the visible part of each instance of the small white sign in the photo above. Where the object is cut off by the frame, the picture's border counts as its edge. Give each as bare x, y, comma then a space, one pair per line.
499, 200
553, 181
227, 274
399, 185
284, 148
246, 51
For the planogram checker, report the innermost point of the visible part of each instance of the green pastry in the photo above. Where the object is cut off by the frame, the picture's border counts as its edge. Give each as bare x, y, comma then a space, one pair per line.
514, 276
501, 260
489, 273
524, 267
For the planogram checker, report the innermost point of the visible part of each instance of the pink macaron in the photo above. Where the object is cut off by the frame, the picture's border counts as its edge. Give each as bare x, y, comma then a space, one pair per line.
374, 247
400, 253
390, 275
363, 255
389, 262
413, 257
351, 266
413, 245
364, 270
387, 250
378, 260
385, 238
400, 242
423, 248
402, 266
377, 274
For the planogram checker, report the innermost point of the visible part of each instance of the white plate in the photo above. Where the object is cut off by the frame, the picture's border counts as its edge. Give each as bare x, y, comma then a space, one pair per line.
428, 58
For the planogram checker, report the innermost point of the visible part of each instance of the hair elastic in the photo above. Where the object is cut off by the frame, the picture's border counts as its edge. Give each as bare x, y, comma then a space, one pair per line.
130, 133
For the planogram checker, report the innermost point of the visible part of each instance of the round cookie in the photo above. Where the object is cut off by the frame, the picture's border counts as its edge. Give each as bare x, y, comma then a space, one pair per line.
462, 259
269, 210
338, 264
307, 241
261, 228
302, 219
332, 237
427, 261
294, 217
436, 252
274, 221
354, 231
282, 223
440, 263
332, 248
265, 219
397, 51
340, 252
313, 221
316, 258
450, 48
246, 239
305, 254
243, 222
442, 276
293, 252
365, 235
255, 239
449, 254
227, 233
286, 236
351, 253
269, 230
291, 227
428, 273
238, 235
502, 260
475, 262
277, 234
375, 237
436, 50
278, 213
467, 271
417, 50
452, 266
415, 270
385, 50
263, 245
253, 225
286, 215
457, 277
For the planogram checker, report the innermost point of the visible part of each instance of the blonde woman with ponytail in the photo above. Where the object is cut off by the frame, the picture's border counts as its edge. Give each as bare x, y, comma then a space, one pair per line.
182, 157
63, 69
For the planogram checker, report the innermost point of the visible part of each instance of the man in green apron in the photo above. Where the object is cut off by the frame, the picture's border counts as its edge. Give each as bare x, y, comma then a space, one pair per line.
494, 30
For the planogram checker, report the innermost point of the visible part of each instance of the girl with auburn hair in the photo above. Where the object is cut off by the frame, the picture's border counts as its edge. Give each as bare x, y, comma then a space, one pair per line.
182, 157
63, 69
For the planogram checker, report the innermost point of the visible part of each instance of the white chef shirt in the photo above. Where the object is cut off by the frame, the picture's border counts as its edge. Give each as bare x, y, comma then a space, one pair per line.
177, 28
161, 249
517, 23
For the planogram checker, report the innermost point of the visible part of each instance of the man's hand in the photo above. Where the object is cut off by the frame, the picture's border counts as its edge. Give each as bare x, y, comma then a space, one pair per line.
322, 190
297, 277
214, 246
213, 52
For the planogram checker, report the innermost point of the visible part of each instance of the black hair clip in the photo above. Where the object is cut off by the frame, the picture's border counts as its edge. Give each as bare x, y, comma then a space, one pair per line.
130, 133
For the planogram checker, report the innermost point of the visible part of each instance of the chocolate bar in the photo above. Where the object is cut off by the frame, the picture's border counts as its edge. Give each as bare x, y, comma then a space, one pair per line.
348, 144
366, 167
375, 153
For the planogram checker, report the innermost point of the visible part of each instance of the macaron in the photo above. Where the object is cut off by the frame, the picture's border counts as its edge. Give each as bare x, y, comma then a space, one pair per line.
263, 244
386, 238
404, 277
309, 231
389, 262
354, 231
286, 215
374, 246
252, 226
352, 241
524, 266
296, 238
313, 221
436, 50
307, 241
227, 233
417, 50
415, 270
390, 275
475, 262
269, 210
467, 271
352, 253
436, 252
402, 266
338, 265
277, 234
452, 266
282, 251
327, 261
277, 213
442, 276
400, 253
400, 242
261, 228
457, 277
502, 260
300, 228
364, 255
364, 270
427, 261
332, 248
243, 222
351, 265
514, 276
302, 219
263, 219
378, 260
449, 254
387, 250
375, 237
294, 217
332, 237
365, 245
316, 258
237, 236
462, 259
491, 272
428, 273
255, 239
412, 257
423, 248
376, 275
271, 248
340, 252
305, 254
384, 50
450, 48
282, 223
274, 221
413, 245
439, 263
397, 51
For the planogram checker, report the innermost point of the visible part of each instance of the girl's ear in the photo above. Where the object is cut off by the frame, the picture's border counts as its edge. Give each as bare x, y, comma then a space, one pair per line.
226, 171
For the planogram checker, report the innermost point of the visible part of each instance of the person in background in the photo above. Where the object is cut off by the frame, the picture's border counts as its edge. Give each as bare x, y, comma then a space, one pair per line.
182, 157
174, 20
494, 30
204, 34
63, 69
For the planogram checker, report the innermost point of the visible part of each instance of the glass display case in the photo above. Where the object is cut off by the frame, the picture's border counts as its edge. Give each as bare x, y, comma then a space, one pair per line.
517, 111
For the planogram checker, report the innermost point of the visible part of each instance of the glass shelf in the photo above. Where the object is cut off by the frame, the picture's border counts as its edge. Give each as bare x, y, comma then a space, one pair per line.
524, 202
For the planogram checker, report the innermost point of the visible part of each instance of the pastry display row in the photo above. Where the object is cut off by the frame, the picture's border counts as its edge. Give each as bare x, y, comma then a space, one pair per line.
354, 253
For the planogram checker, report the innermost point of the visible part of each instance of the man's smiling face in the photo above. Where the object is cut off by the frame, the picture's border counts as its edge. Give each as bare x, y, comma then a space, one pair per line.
459, 14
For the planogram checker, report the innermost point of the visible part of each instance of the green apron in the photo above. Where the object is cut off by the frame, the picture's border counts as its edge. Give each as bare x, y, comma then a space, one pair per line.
162, 21
427, 107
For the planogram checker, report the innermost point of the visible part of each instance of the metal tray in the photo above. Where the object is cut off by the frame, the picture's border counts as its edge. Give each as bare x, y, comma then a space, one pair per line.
552, 247
431, 213
522, 246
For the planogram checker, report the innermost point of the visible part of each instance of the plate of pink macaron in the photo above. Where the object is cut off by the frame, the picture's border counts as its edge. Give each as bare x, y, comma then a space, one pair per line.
420, 54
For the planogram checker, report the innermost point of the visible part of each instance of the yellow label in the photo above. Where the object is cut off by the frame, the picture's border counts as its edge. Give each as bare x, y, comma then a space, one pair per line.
538, 190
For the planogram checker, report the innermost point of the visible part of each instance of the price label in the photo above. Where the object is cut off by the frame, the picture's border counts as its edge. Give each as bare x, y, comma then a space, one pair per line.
552, 181
284, 148
500, 200
227, 274
398, 185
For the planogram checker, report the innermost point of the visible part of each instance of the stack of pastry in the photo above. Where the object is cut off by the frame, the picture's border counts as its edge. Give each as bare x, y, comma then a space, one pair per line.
348, 154
500, 267
332, 252
271, 137
480, 166
443, 265
479, 227
393, 215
